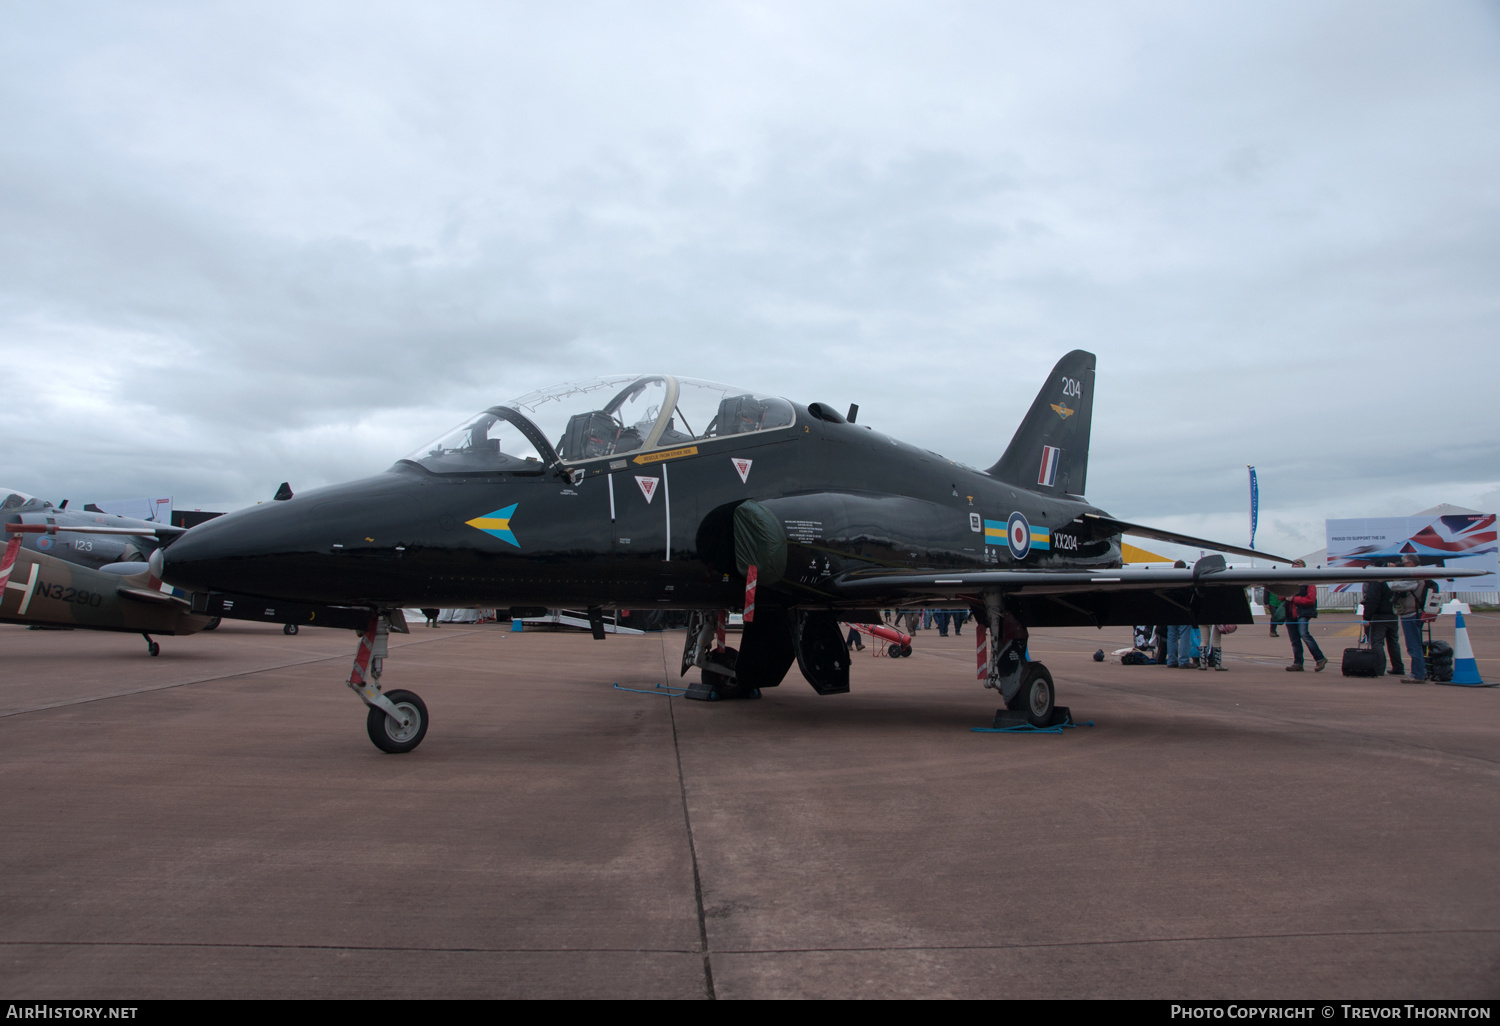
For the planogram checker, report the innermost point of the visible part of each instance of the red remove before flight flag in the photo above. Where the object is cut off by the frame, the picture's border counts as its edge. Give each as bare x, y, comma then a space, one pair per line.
8, 561
749, 616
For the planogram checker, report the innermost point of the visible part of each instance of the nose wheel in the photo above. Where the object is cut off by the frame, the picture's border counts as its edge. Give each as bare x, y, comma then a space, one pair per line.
398, 736
397, 721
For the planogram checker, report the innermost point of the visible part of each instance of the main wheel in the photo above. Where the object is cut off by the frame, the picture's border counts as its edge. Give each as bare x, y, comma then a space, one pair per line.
213, 624
1037, 695
153, 648
724, 685
290, 628
390, 736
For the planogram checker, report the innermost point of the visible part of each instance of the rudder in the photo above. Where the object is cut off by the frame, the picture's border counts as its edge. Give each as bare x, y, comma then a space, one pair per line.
1050, 450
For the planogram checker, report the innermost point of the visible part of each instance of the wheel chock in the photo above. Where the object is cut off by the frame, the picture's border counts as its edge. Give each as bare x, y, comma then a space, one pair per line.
1012, 721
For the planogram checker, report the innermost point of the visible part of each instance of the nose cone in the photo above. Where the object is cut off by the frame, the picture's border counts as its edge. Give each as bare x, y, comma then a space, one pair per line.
339, 545
243, 552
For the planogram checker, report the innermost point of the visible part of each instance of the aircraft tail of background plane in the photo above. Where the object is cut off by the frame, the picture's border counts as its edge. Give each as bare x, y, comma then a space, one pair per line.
1050, 450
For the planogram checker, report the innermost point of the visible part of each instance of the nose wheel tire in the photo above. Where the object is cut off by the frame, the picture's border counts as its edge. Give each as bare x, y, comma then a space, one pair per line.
390, 736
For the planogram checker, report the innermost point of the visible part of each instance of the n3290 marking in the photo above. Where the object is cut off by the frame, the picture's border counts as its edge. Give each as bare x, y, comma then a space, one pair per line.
80, 596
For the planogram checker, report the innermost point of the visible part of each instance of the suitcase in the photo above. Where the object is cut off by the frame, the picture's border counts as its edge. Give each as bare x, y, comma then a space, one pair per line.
1363, 662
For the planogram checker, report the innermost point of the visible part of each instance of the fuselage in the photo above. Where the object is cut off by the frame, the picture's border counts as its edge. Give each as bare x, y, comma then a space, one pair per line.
639, 529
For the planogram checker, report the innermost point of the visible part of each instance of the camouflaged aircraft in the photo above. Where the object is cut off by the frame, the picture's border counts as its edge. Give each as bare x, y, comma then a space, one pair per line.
69, 568
654, 491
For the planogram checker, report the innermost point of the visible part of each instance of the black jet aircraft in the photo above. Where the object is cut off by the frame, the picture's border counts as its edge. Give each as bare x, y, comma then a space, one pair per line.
655, 491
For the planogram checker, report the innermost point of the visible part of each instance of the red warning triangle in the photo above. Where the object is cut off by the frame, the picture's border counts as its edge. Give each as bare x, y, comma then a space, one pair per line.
742, 467
648, 486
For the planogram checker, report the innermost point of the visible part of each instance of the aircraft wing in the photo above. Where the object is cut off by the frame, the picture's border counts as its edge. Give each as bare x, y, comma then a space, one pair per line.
926, 583
1110, 525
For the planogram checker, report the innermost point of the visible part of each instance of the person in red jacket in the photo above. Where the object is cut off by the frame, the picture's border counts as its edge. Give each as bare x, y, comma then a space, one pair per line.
1301, 607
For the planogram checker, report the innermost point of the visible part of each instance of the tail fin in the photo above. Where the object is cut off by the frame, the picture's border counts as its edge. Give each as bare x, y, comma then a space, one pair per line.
1050, 450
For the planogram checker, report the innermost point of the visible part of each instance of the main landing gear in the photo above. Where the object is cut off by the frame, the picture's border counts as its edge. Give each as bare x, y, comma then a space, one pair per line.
397, 722
1025, 686
706, 650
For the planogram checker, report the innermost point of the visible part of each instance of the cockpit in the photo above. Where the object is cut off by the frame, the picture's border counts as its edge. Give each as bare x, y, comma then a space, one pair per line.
15, 501
599, 418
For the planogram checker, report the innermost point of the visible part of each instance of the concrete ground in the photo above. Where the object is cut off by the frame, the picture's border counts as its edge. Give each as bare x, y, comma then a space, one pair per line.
215, 823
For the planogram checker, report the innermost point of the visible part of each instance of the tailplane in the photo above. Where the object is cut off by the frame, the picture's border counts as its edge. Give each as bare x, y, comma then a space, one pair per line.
1050, 450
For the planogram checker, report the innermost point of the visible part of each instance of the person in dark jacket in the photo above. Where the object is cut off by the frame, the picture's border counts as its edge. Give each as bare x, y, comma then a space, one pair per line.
1380, 624
1301, 607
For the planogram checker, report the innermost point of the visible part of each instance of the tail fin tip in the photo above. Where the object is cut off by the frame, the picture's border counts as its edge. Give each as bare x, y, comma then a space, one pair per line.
1050, 450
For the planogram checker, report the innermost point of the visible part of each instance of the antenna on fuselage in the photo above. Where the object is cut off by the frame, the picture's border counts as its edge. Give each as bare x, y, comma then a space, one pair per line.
853, 412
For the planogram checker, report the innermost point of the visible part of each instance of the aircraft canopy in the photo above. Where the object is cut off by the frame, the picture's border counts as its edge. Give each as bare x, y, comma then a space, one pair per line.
15, 500
599, 418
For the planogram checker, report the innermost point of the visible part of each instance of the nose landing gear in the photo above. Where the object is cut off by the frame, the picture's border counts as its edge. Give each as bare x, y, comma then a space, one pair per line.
397, 721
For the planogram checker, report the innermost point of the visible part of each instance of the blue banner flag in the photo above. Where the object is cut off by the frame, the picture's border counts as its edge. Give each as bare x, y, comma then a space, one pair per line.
1254, 505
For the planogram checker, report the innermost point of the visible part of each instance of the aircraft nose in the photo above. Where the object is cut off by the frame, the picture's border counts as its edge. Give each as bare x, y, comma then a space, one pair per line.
238, 552
347, 544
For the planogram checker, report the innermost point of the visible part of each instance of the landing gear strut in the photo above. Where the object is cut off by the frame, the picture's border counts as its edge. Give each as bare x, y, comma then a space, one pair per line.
1024, 685
397, 722
705, 649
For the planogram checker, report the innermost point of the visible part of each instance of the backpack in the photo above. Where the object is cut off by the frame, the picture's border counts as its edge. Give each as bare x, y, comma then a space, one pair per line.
1440, 662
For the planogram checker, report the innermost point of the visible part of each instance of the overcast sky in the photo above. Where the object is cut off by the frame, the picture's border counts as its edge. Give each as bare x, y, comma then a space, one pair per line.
248, 243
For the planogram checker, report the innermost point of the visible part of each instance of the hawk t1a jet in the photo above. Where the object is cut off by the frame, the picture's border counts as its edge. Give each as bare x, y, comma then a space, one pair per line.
657, 491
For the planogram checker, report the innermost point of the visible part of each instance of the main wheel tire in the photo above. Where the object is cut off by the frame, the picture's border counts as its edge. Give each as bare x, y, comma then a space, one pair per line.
290, 628
1037, 695
390, 736
722, 684
213, 624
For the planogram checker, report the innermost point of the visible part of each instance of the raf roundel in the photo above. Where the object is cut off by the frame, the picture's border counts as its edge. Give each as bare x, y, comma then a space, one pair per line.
1018, 535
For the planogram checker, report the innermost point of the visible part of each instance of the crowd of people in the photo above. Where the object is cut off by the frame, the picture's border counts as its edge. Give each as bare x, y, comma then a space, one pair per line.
1390, 609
